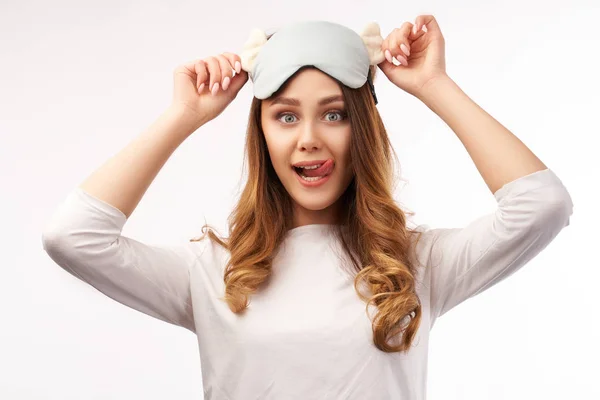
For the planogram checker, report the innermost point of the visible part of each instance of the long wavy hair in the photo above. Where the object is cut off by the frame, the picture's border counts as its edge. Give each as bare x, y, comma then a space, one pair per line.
372, 230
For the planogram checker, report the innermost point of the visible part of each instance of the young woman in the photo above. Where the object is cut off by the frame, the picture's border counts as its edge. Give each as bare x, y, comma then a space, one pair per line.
320, 290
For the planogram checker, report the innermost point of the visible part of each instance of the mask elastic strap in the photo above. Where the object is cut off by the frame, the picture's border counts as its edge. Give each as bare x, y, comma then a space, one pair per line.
371, 86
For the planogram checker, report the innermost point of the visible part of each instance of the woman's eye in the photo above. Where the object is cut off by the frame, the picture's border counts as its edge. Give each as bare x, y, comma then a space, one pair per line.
340, 116
287, 118
291, 118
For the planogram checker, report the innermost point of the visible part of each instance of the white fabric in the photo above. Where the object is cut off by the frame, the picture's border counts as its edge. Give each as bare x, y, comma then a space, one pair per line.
306, 335
333, 48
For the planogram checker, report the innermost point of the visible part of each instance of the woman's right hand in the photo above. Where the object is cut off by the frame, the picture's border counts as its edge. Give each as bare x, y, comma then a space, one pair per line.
207, 86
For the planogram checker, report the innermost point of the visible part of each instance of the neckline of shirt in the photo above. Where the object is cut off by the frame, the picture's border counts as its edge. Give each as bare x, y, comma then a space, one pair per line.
311, 228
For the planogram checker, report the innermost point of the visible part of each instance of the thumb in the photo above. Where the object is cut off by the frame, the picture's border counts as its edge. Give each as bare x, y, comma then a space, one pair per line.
238, 81
387, 68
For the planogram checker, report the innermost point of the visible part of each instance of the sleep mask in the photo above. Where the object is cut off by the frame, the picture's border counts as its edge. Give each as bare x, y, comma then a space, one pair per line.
334, 49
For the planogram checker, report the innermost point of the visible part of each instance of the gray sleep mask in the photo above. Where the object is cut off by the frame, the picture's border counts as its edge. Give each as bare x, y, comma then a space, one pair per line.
332, 48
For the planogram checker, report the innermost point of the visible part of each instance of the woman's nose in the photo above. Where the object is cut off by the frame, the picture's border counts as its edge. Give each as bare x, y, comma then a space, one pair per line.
308, 136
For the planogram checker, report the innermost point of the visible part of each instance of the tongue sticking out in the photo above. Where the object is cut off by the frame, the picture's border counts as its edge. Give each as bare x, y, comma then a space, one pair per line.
323, 170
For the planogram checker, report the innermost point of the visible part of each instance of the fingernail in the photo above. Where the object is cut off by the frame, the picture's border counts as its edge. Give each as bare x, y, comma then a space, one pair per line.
415, 29
388, 56
215, 88
226, 83
399, 60
405, 49
201, 88
238, 67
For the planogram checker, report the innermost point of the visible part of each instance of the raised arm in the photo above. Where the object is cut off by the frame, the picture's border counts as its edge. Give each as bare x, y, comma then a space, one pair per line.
84, 234
123, 179
463, 262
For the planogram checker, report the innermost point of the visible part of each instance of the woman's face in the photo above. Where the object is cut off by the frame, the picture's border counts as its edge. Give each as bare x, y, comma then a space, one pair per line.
307, 123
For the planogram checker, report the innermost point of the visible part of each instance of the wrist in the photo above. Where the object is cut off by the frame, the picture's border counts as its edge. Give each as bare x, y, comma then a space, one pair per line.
432, 87
186, 119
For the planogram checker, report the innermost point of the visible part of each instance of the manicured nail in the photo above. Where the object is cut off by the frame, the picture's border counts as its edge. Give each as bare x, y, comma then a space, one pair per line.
388, 56
399, 60
201, 87
215, 88
415, 29
238, 67
226, 83
405, 49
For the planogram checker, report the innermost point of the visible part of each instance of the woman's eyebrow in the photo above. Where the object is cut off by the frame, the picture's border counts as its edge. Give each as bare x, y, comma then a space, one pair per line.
295, 102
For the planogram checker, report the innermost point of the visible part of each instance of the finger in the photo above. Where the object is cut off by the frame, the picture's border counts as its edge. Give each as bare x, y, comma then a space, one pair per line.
238, 81
226, 71
426, 22
235, 61
394, 47
240, 76
214, 71
387, 68
415, 36
403, 41
187, 68
385, 45
201, 75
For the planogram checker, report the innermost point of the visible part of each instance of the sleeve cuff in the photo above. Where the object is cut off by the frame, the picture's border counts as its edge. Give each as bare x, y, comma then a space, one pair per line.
535, 180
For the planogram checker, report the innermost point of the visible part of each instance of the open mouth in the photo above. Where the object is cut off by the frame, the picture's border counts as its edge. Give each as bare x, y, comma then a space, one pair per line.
315, 172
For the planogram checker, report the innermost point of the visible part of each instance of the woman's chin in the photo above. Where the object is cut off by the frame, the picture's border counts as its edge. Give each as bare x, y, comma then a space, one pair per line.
313, 202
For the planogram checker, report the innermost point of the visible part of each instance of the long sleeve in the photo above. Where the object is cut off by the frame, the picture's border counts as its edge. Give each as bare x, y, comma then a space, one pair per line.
531, 211
84, 238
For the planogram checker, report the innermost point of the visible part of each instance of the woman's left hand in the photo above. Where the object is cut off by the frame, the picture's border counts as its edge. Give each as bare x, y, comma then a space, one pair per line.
426, 60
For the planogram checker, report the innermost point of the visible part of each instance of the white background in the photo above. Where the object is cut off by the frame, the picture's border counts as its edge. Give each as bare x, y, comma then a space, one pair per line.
80, 79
